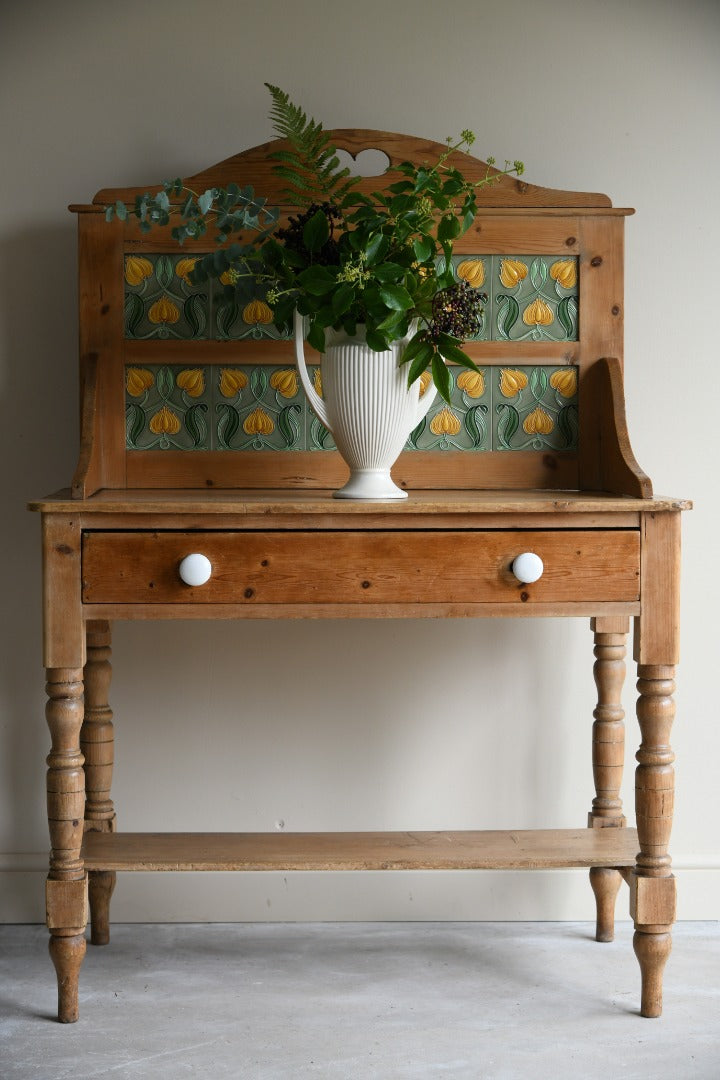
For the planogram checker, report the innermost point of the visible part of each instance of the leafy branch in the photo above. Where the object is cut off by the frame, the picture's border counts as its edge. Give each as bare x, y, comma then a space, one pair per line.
312, 167
382, 260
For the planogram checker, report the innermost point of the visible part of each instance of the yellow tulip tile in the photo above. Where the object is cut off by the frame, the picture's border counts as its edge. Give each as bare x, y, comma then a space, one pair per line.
160, 300
465, 424
533, 298
257, 407
534, 408
167, 407
236, 321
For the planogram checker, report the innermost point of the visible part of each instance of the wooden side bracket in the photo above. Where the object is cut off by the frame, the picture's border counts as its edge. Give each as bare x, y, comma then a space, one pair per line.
82, 486
619, 470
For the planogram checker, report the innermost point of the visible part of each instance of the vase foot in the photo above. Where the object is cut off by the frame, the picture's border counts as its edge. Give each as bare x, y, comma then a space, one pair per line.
370, 484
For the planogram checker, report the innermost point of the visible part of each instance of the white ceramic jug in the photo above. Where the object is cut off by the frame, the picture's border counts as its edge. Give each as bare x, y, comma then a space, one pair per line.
367, 406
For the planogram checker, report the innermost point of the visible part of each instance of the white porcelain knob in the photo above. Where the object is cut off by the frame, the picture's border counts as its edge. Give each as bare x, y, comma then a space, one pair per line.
527, 567
195, 569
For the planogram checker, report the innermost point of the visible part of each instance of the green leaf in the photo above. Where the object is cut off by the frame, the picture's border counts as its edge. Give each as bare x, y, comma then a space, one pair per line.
343, 299
288, 424
401, 187
420, 362
424, 248
394, 324
375, 248
316, 336
134, 423
388, 271
316, 231
441, 377
376, 340
475, 424
316, 280
413, 347
206, 200
164, 271
259, 381
567, 316
195, 311
508, 423
567, 423
448, 228
228, 424
121, 210
415, 434
453, 186
134, 309
195, 423
538, 382
538, 273
396, 297
508, 312
227, 315
165, 382
450, 351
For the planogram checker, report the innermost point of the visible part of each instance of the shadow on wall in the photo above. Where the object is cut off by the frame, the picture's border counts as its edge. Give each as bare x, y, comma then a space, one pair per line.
39, 438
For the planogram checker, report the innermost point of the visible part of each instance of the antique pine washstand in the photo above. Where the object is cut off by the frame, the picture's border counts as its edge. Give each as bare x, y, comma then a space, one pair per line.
197, 441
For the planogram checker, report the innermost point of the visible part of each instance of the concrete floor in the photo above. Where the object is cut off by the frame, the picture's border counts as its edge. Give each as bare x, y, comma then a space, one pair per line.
466, 1001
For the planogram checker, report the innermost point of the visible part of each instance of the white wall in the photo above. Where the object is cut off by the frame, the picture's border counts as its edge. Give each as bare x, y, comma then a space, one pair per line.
403, 724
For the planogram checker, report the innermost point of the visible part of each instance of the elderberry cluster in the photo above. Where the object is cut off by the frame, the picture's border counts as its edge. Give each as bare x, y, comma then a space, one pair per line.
292, 235
457, 311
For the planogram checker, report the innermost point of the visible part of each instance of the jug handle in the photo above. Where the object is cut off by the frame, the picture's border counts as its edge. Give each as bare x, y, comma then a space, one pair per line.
313, 397
317, 402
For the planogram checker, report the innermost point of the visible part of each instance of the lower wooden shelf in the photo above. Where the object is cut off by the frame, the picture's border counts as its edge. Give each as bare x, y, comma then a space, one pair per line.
466, 850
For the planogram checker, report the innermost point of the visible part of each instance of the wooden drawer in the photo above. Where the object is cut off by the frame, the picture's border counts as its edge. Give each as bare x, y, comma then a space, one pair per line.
373, 567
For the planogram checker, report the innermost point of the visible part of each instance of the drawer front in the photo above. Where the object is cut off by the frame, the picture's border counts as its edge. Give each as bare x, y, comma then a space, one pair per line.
361, 567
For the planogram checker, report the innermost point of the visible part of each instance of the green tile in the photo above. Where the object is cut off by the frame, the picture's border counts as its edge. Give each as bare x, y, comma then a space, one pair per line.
534, 408
261, 407
258, 407
465, 424
167, 407
253, 320
317, 436
161, 303
533, 298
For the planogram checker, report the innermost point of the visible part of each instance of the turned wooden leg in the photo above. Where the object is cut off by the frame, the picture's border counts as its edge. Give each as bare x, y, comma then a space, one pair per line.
605, 883
608, 752
96, 743
652, 887
66, 889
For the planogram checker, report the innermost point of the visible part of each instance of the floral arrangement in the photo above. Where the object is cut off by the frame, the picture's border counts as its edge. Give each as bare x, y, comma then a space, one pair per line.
381, 261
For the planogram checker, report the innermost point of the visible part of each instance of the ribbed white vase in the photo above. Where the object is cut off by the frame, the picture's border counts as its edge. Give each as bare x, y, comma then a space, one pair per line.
367, 406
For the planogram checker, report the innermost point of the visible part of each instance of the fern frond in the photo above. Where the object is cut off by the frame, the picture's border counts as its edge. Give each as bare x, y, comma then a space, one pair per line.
314, 174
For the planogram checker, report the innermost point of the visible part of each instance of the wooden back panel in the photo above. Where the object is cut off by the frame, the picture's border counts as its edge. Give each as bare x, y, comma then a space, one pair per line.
541, 421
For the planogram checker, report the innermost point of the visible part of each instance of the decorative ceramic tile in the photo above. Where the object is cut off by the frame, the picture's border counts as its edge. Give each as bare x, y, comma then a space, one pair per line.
318, 436
465, 424
477, 271
167, 408
235, 322
160, 301
535, 408
533, 298
526, 298
259, 407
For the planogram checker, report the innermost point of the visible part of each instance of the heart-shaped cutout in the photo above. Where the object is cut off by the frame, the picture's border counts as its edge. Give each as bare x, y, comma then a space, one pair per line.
366, 163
